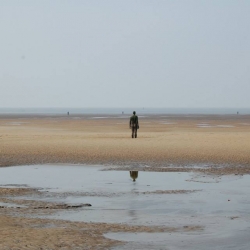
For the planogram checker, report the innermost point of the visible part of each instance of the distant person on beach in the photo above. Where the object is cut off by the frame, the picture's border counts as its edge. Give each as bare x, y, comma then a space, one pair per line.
134, 124
133, 175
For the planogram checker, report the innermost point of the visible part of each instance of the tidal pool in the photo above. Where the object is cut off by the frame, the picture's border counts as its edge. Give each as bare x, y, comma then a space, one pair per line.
219, 205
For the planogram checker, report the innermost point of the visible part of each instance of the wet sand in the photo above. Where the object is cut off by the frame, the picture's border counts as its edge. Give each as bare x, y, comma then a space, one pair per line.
165, 143
28, 233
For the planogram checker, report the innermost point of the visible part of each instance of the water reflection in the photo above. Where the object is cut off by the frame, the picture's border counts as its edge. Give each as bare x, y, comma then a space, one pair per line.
133, 205
133, 175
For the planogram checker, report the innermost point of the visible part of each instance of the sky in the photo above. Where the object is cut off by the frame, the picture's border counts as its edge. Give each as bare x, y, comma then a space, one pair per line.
133, 53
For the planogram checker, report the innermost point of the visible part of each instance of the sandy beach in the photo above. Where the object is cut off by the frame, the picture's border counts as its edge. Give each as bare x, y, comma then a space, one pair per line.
162, 140
199, 143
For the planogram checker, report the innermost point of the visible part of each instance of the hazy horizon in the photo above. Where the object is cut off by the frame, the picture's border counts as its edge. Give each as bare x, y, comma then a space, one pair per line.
127, 110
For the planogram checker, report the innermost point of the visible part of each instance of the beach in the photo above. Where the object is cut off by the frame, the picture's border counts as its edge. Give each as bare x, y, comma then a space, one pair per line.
162, 140
215, 145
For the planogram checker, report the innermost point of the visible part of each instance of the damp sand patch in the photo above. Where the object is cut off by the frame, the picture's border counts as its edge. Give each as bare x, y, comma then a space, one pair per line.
206, 125
225, 126
17, 123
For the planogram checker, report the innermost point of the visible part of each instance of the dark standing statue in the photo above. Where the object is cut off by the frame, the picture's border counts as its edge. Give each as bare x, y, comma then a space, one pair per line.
134, 124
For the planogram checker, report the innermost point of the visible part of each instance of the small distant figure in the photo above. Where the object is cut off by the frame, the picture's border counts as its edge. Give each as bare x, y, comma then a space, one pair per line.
133, 175
122, 112
134, 124
68, 113
237, 112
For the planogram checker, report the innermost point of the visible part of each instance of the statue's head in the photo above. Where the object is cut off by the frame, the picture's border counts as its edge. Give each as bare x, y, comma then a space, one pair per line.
134, 112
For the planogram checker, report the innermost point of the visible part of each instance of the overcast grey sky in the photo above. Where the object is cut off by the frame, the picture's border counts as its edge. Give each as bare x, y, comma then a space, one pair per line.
139, 53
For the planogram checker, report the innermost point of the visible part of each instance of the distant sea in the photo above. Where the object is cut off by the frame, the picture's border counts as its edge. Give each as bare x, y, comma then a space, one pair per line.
115, 111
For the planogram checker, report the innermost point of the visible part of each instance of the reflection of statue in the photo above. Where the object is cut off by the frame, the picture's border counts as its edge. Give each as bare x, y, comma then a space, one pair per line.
133, 175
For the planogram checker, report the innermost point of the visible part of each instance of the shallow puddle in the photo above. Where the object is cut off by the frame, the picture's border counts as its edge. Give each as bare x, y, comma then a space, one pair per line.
10, 205
218, 240
220, 205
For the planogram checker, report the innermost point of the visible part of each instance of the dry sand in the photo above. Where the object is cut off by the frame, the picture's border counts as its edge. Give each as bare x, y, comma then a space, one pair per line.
162, 141
221, 142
